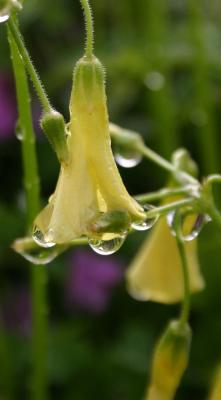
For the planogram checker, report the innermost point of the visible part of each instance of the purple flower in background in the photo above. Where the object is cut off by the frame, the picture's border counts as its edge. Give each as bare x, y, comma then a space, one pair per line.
91, 279
16, 311
8, 112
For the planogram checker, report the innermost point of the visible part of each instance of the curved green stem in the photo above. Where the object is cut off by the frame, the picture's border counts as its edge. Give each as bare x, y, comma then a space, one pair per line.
162, 210
89, 28
39, 322
161, 194
14, 31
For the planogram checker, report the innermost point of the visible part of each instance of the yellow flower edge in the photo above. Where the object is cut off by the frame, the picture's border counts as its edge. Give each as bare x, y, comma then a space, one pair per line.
90, 183
156, 272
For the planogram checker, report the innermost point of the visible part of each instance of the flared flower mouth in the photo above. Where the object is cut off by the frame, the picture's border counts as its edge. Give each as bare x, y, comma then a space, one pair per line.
156, 272
89, 184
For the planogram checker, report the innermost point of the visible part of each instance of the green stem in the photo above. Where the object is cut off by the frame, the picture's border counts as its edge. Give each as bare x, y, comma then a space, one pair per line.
89, 28
161, 194
185, 310
39, 322
163, 163
162, 210
14, 31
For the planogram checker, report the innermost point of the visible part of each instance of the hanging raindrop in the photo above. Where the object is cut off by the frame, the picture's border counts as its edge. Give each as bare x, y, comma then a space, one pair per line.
4, 17
148, 222
106, 247
19, 131
41, 239
126, 157
191, 224
35, 254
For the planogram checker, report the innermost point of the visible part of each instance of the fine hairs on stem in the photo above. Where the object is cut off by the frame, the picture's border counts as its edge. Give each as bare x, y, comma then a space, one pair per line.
89, 28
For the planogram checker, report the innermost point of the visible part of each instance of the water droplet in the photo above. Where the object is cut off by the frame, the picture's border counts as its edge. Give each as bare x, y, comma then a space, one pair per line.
155, 81
4, 18
192, 224
41, 239
126, 157
106, 247
148, 222
40, 256
19, 131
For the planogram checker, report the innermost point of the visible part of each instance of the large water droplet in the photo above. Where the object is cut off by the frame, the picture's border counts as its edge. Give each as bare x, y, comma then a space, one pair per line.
41, 239
148, 222
191, 224
4, 17
106, 247
126, 157
35, 254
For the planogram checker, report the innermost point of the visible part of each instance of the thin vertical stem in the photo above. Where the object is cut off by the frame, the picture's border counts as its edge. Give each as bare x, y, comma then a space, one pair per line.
89, 28
207, 138
31, 183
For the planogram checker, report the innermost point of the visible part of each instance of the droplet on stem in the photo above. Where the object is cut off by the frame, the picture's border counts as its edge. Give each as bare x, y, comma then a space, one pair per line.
191, 224
148, 222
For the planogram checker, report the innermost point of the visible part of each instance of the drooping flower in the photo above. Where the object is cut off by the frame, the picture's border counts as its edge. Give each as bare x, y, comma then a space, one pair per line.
91, 280
89, 183
156, 272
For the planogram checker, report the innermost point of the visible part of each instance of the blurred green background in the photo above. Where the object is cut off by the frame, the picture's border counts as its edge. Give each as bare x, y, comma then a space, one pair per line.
163, 75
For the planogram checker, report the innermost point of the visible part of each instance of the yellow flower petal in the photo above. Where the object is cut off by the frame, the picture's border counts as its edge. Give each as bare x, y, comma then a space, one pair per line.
156, 272
90, 183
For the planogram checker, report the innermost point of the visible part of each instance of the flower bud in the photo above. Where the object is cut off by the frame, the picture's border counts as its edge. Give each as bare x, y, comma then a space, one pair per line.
7, 7
169, 361
53, 125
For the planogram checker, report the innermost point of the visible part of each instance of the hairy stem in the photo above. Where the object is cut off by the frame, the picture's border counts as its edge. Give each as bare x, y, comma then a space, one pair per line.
89, 28
15, 33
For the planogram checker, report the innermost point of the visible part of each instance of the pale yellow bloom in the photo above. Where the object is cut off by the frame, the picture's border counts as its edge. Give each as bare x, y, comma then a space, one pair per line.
156, 272
89, 184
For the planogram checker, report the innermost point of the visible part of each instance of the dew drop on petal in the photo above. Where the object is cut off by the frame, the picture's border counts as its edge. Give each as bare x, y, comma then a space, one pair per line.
127, 158
148, 223
106, 247
41, 239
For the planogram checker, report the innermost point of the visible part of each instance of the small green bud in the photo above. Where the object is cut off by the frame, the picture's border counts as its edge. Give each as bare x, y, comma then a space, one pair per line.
7, 7
53, 125
125, 138
182, 160
169, 362
88, 82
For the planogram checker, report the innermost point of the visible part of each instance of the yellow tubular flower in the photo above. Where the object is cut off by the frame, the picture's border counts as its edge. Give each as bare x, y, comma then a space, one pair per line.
169, 362
89, 183
156, 272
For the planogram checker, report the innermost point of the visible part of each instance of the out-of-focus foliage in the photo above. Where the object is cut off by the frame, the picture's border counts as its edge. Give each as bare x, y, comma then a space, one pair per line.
163, 65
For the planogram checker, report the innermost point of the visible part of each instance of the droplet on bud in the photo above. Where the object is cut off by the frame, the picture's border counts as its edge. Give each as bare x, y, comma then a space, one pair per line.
191, 224
126, 157
148, 222
41, 239
106, 247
